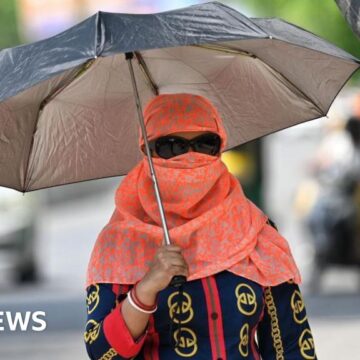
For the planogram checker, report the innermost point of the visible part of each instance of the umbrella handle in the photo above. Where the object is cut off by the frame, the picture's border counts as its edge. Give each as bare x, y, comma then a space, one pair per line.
177, 281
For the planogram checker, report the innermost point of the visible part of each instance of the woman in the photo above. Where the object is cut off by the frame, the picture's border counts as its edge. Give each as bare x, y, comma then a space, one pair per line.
241, 299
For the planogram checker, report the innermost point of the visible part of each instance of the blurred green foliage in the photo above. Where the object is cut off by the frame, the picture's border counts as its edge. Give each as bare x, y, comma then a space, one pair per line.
8, 24
322, 17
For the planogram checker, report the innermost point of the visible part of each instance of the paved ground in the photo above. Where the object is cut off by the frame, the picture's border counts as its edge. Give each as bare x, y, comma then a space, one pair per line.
337, 339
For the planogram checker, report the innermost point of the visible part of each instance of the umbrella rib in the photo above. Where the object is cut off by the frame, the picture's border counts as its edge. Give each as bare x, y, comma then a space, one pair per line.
145, 70
66, 83
228, 50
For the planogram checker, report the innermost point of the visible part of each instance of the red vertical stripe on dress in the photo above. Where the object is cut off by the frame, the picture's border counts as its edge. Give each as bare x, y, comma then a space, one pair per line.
215, 320
116, 289
147, 348
151, 346
124, 289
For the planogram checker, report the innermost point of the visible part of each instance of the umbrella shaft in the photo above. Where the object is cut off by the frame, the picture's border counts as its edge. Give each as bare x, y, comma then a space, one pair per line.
129, 57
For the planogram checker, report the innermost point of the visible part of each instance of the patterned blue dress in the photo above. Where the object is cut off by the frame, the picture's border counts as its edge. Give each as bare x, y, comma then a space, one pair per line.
224, 316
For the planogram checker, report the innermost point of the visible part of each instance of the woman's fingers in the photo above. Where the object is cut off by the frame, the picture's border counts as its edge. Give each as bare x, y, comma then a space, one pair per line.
172, 258
179, 270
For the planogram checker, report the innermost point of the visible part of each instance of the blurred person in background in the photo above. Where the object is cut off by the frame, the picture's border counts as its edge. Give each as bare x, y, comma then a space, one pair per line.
242, 298
333, 220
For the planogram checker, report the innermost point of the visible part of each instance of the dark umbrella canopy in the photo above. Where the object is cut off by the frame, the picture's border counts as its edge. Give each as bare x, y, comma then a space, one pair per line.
67, 112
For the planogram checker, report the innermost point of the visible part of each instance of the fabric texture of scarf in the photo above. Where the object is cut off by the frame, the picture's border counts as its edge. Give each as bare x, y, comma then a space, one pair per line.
206, 210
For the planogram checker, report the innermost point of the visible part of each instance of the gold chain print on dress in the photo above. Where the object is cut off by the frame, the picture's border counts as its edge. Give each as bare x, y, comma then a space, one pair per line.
244, 340
110, 354
298, 307
246, 299
306, 344
92, 334
92, 300
275, 329
187, 343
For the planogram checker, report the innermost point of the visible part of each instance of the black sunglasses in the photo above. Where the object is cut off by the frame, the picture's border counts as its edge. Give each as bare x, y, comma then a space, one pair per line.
171, 145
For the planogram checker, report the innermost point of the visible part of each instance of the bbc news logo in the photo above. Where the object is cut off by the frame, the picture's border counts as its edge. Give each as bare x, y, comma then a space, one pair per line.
24, 321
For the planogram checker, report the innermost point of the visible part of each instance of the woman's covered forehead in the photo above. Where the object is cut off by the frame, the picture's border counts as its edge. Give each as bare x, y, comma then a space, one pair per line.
179, 113
171, 113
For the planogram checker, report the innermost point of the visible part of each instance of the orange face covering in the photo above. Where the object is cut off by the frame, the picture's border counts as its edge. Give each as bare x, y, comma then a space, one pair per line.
207, 213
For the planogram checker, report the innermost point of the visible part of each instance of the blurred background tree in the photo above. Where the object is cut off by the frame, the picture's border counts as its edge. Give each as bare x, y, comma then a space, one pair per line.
321, 17
8, 24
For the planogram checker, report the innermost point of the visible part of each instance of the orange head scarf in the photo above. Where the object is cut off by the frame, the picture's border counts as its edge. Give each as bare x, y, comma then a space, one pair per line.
207, 213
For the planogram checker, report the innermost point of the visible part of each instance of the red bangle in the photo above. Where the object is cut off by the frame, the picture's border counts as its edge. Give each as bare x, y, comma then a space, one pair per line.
139, 303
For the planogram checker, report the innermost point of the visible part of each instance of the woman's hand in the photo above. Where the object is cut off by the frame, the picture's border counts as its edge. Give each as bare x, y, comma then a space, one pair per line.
168, 262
